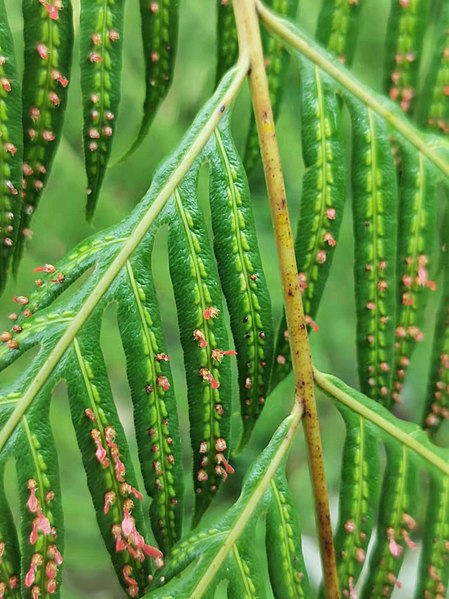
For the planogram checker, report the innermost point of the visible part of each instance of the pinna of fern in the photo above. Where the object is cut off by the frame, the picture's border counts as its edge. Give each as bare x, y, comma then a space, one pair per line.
48, 38
207, 353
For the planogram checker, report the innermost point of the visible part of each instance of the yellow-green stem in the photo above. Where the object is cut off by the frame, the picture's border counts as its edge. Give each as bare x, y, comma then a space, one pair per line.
250, 45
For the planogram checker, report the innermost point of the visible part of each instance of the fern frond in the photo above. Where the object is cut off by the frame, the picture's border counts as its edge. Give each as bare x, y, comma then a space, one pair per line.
105, 453
247, 294
48, 33
128, 235
433, 107
398, 512
395, 174
338, 28
435, 410
359, 493
42, 526
227, 550
9, 545
101, 43
417, 223
404, 39
434, 567
69, 339
203, 333
322, 202
353, 88
11, 153
227, 42
155, 414
288, 575
408, 451
159, 37
375, 240
390, 281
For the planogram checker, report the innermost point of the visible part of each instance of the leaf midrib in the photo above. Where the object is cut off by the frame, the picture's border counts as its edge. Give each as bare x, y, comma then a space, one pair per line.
325, 384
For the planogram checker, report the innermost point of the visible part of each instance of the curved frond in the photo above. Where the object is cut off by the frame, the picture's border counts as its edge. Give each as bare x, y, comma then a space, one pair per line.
159, 37
69, 340
322, 202
435, 409
11, 153
48, 33
433, 107
101, 43
404, 41
9, 545
242, 277
393, 246
408, 452
338, 28
228, 551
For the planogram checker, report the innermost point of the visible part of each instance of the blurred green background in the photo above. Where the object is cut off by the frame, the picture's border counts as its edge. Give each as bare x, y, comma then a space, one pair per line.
59, 224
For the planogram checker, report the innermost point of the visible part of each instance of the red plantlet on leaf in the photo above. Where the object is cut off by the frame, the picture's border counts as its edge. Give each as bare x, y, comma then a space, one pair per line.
32, 503
207, 376
198, 335
109, 498
218, 354
163, 383
36, 561
211, 312
54, 553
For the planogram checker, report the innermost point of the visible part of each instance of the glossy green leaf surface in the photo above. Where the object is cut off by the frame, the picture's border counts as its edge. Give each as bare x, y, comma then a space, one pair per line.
11, 152
159, 37
322, 202
48, 36
433, 108
227, 550
408, 452
242, 276
337, 28
375, 237
203, 336
418, 205
101, 42
405, 37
